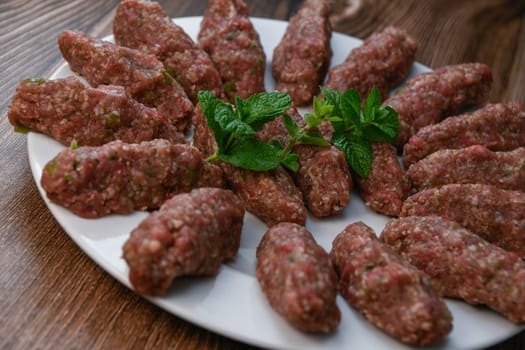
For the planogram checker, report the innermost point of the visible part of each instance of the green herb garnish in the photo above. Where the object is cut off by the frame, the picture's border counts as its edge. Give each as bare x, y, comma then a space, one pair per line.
235, 129
35, 80
113, 120
355, 128
21, 129
73, 145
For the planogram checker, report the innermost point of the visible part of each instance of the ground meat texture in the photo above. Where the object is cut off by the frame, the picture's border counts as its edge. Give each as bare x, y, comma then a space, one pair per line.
228, 36
386, 187
143, 75
499, 127
383, 60
429, 97
66, 110
474, 164
119, 177
301, 59
496, 215
272, 196
391, 293
323, 176
461, 264
297, 278
191, 234
144, 25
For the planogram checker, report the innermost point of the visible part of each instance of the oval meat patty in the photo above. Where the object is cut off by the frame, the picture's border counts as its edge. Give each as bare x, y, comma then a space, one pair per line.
461, 264
498, 126
67, 110
427, 98
191, 234
228, 36
119, 177
383, 60
474, 164
297, 277
270, 195
494, 214
302, 57
390, 292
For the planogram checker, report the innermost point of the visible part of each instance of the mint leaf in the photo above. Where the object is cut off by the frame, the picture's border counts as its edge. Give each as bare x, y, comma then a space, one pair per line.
227, 119
252, 154
372, 102
209, 102
322, 108
261, 108
350, 106
384, 127
290, 125
331, 97
357, 151
312, 120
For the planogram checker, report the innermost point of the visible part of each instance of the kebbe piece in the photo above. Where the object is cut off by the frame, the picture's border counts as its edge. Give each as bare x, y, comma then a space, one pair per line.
272, 196
191, 234
391, 293
67, 110
473, 164
427, 98
297, 278
144, 25
386, 187
228, 36
460, 263
323, 176
496, 215
302, 57
383, 60
143, 75
499, 127
119, 178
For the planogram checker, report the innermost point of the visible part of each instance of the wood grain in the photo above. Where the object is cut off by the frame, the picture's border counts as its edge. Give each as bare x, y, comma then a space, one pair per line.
52, 296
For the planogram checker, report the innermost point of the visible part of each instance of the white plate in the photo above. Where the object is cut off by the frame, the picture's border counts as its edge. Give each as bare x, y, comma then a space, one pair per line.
231, 303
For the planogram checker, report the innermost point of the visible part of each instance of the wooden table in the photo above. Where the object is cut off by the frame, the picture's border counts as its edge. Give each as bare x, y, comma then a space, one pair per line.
52, 296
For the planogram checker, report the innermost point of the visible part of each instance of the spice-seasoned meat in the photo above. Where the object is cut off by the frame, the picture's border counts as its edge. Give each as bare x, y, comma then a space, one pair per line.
144, 25
323, 176
119, 177
383, 60
474, 164
272, 196
191, 234
143, 75
499, 127
386, 187
427, 98
297, 277
302, 57
494, 214
390, 292
228, 36
461, 264
67, 110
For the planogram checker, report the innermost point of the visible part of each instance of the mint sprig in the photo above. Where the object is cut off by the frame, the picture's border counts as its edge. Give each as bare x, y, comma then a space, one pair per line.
355, 128
235, 129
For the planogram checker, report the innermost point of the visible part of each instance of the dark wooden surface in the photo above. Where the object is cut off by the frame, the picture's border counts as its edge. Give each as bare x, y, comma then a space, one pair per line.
52, 296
